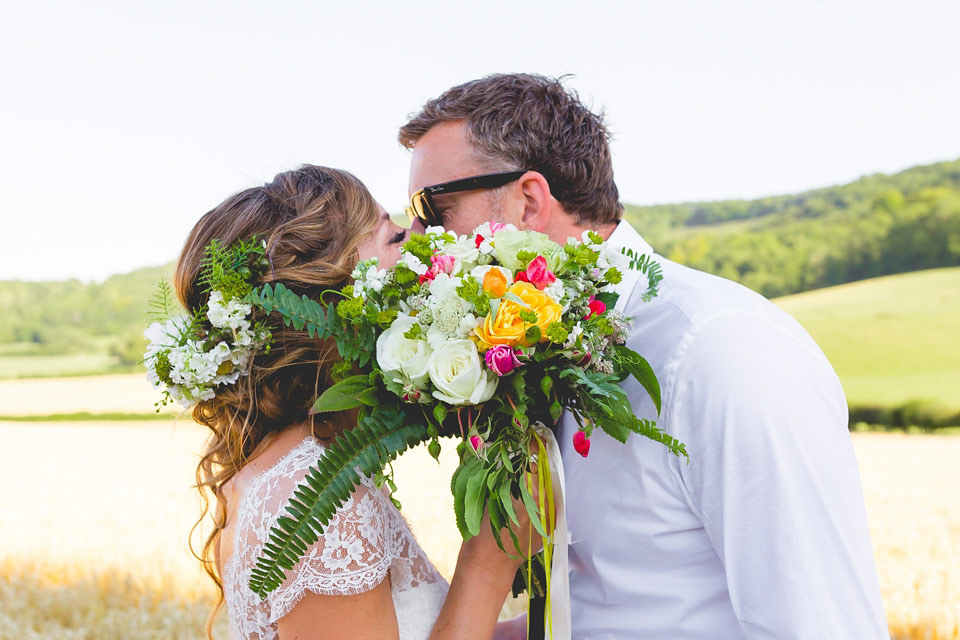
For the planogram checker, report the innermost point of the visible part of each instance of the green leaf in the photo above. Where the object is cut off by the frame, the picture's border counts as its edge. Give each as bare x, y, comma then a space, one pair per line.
515, 298
343, 395
608, 298
633, 363
458, 484
368, 396
533, 334
531, 507
546, 385
507, 501
474, 501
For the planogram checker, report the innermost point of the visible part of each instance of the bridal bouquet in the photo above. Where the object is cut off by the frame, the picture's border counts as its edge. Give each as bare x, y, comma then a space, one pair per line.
488, 337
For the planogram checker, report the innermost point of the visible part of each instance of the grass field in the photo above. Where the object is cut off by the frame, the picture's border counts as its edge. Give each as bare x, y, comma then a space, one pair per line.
93, 534
891, 339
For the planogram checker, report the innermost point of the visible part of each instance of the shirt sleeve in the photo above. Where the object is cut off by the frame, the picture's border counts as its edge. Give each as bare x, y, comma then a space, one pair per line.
351, 556
774, 479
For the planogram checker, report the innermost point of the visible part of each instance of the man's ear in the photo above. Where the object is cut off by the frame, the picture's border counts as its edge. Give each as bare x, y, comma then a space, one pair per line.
537, 202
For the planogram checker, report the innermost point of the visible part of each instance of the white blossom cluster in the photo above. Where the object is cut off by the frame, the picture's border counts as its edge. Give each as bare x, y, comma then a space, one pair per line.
189, 366
366, 277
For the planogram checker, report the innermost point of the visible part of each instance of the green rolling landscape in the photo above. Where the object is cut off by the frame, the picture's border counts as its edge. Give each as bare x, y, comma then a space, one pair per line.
893, 341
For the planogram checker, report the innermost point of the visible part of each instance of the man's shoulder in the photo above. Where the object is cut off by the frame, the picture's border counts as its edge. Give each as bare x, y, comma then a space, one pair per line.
693, 298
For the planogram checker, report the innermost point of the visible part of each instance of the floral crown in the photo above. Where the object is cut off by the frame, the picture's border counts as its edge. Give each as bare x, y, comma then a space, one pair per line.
189, 355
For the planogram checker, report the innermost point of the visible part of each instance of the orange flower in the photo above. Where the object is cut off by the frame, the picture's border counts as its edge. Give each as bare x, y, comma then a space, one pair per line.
507, 328
494, 283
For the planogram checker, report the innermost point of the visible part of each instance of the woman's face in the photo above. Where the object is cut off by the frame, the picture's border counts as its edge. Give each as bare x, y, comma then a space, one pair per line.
385, 241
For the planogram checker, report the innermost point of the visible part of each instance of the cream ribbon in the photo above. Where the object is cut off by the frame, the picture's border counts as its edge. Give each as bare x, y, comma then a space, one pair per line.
560, 570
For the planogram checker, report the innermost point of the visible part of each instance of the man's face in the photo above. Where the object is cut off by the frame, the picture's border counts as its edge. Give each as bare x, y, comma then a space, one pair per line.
444, 154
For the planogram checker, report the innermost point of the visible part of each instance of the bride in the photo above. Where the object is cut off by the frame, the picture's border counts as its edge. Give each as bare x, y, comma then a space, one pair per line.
366, 576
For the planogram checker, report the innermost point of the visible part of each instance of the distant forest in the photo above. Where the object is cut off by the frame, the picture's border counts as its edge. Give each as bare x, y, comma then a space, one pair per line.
877, 225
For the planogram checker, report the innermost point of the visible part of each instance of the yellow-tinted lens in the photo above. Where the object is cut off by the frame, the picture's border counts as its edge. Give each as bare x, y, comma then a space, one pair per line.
418, 207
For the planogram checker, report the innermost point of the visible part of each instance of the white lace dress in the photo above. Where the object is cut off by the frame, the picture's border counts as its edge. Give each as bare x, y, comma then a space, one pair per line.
367, 541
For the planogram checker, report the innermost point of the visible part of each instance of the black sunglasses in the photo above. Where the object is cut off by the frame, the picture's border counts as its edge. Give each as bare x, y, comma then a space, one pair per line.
421, 204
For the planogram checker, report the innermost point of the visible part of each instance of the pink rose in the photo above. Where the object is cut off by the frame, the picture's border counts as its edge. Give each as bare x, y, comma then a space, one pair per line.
596, 308
538, 274
502, 359
476, 442
496, 226
581, 443
442, 263
438, 264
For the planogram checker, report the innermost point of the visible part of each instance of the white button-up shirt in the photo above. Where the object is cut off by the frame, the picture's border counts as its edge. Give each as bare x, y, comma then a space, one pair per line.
764, 533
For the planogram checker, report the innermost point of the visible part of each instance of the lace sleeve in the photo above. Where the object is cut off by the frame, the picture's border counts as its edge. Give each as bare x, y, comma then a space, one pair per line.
351, 556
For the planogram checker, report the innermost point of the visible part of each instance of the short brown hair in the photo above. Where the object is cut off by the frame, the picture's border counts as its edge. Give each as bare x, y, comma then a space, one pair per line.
527, 121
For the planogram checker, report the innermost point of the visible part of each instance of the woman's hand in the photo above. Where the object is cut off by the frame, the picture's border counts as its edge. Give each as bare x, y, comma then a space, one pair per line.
483, 578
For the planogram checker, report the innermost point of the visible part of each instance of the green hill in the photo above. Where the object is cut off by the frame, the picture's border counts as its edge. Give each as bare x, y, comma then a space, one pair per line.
877, 225
893, 341
71, 327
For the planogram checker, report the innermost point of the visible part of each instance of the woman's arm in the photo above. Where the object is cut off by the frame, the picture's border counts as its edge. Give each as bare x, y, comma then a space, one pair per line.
480, 584
352, 617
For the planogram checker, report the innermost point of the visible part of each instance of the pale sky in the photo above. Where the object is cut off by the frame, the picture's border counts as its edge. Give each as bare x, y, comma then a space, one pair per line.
121, 123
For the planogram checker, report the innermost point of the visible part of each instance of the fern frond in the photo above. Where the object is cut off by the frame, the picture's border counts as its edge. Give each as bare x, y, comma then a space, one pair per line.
378, 438
645, 264
297, 310
649, 429
160, 306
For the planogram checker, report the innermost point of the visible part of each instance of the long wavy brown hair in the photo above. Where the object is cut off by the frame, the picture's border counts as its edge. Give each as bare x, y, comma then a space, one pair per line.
312, 219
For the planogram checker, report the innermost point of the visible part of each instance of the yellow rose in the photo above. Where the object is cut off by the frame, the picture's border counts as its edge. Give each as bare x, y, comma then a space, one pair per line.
507, 328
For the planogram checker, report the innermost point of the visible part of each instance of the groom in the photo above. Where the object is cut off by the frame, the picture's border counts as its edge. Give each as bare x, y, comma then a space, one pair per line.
763, 534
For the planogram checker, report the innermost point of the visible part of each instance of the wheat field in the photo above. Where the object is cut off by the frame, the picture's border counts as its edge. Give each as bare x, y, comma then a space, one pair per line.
94, 519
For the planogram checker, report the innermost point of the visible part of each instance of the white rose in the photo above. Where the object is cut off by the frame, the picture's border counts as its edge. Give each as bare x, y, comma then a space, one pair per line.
459, 376
465, 251
402, 359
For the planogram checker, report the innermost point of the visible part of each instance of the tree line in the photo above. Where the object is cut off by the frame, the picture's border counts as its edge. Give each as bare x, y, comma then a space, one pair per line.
877, 225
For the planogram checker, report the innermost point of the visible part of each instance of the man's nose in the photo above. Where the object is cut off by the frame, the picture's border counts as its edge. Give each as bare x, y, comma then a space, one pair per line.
418, 226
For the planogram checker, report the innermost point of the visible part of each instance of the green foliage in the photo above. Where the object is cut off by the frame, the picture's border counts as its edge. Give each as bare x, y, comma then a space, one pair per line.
349, 393
779, 245
161, 306
926, 415
379, 437
629, 362
229, 270
299, 311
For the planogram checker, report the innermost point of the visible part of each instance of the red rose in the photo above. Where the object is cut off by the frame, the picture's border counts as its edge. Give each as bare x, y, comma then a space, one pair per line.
596, 308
